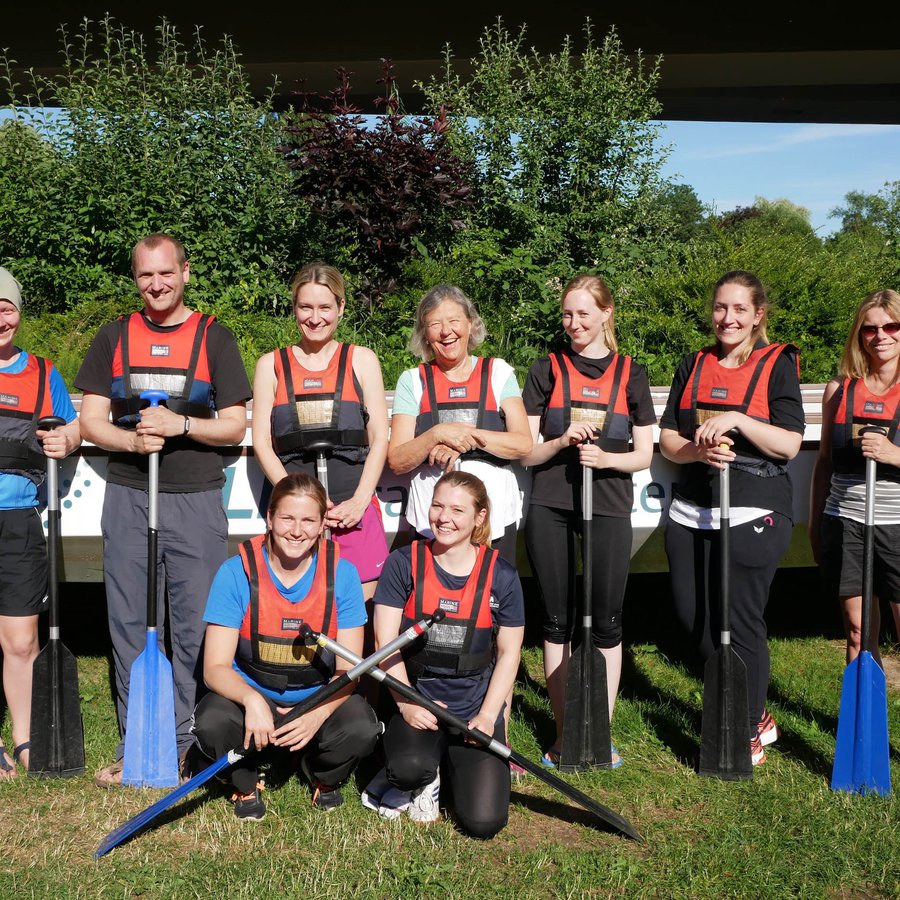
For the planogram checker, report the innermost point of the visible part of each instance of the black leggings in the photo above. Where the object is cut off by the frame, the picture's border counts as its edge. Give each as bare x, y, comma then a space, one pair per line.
478, 778
345, 737
757, 548
550, 542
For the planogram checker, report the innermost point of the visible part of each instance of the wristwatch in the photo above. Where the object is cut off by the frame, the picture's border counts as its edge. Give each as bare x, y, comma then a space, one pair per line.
187, 425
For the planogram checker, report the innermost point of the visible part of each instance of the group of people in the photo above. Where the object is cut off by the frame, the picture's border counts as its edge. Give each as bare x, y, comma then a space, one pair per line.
458, 422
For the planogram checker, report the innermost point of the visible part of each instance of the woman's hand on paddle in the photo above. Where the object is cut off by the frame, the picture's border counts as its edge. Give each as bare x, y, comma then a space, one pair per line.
347, 514
418, 717
259, 724
297, 733
877, 446
443, 456
483, 723
591, 455
715, 429
578, 433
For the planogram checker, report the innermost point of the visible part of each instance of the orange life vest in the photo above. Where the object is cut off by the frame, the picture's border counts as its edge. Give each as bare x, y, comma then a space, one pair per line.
461, 644
270, 648
24, 398
859, 407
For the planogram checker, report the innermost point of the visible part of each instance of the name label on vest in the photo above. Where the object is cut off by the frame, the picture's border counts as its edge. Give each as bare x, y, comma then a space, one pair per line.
312, 384
719, 393
159, 349
458, 393
9, 399
447, 605
291, 624
873, 406
593, 393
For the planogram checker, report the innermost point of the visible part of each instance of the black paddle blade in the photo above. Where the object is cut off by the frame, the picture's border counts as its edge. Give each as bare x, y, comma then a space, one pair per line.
724, 735
586, 739
57, 737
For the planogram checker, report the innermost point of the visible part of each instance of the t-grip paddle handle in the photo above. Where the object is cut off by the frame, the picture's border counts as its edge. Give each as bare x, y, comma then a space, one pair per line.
48, 423
154, 398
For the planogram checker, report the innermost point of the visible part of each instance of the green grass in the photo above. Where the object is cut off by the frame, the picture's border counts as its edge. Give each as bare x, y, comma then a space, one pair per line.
783, 834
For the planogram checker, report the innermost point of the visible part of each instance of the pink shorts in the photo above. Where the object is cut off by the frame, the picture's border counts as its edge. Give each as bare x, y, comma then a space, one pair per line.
365, 545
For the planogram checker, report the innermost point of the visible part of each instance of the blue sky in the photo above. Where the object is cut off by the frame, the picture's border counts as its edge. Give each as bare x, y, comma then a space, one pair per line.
730, 163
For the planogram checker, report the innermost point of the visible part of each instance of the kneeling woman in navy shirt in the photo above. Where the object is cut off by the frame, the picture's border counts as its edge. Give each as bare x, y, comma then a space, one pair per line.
468, 663
257, 666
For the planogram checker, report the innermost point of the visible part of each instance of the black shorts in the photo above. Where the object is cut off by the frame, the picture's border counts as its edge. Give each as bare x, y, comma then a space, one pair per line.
842, 557
23, 563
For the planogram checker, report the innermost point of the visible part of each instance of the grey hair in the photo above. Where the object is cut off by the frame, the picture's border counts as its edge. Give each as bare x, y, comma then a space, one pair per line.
418, 344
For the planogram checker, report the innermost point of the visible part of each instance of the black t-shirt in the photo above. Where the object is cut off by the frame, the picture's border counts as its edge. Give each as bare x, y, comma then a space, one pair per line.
184, 464
698, 483
462, 694
557, 482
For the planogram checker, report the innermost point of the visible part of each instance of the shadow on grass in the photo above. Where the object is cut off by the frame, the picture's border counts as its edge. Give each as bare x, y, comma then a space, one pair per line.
554, 809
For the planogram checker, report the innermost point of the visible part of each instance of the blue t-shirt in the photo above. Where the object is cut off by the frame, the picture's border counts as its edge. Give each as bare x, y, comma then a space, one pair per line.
229, 598
17, 491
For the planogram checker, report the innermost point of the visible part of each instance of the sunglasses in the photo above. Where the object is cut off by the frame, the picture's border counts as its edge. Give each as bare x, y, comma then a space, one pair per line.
870, 331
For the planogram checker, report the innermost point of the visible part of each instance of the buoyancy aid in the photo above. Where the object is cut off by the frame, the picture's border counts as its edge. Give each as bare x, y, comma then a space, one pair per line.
270, 648
174, 361
602, 402
471, 401
857, 408
461, 644
24, 398
712, 389
314, 406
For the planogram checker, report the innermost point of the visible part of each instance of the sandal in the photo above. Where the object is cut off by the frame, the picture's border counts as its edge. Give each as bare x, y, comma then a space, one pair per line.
18, 751
615, 756
7, 769
550, 760
110, 776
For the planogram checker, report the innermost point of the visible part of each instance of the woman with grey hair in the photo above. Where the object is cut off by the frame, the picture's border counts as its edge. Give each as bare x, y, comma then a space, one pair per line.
458, 407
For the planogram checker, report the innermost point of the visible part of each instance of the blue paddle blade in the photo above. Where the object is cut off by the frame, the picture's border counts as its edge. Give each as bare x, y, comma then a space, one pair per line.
862, 754
151, 752
135, 823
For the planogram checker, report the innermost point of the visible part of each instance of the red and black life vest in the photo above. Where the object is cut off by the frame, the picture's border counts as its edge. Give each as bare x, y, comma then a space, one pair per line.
172, 361
461, 644
859, 407
712, 389
24, 398
316, 406
471, 401
602, 402
270, 648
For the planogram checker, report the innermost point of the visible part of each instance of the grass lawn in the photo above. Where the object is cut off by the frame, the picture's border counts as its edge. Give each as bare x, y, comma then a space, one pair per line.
782, 834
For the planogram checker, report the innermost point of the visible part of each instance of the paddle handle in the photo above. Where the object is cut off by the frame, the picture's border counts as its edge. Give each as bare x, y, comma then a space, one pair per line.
154, 398
48, 423
869, 544
725, 551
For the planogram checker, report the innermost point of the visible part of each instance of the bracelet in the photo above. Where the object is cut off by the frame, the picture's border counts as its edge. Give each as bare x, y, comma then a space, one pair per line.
187, 425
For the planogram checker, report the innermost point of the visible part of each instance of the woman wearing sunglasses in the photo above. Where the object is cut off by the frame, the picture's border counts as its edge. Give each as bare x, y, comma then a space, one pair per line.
866, 392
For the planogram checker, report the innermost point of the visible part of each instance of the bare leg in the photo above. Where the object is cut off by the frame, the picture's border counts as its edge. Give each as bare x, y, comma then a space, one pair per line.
369, 687
895, 609
556, 668
851, 610
613, 658
19, 642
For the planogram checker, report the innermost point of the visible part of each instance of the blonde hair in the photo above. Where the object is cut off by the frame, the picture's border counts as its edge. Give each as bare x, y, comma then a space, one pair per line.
855, 362
319, 272
602, 295
760, 302
478, 492
418, 343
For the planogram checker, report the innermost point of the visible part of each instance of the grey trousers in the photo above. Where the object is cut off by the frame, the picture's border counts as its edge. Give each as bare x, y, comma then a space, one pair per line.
193, 544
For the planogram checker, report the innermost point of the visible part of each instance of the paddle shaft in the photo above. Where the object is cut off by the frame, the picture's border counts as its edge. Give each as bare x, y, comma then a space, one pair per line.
587, 594
53, 519
725, 554
155, 397
620, 824
868, 550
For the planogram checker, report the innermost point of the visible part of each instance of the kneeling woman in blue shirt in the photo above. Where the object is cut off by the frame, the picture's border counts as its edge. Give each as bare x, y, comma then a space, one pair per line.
468, 663
258, 667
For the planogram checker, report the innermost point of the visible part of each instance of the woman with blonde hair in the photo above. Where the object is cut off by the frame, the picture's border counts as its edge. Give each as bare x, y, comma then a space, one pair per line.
322, 389
735, 403
468, 663
592, 408
865, 392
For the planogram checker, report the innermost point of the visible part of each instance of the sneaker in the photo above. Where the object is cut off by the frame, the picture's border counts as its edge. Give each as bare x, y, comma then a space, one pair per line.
249, 807
550, 760
385, 799
757, 752
324, 796
767, 731
424, 805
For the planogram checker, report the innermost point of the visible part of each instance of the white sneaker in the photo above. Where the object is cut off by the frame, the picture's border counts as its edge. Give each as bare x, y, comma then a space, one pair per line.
424, 806
382, 797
